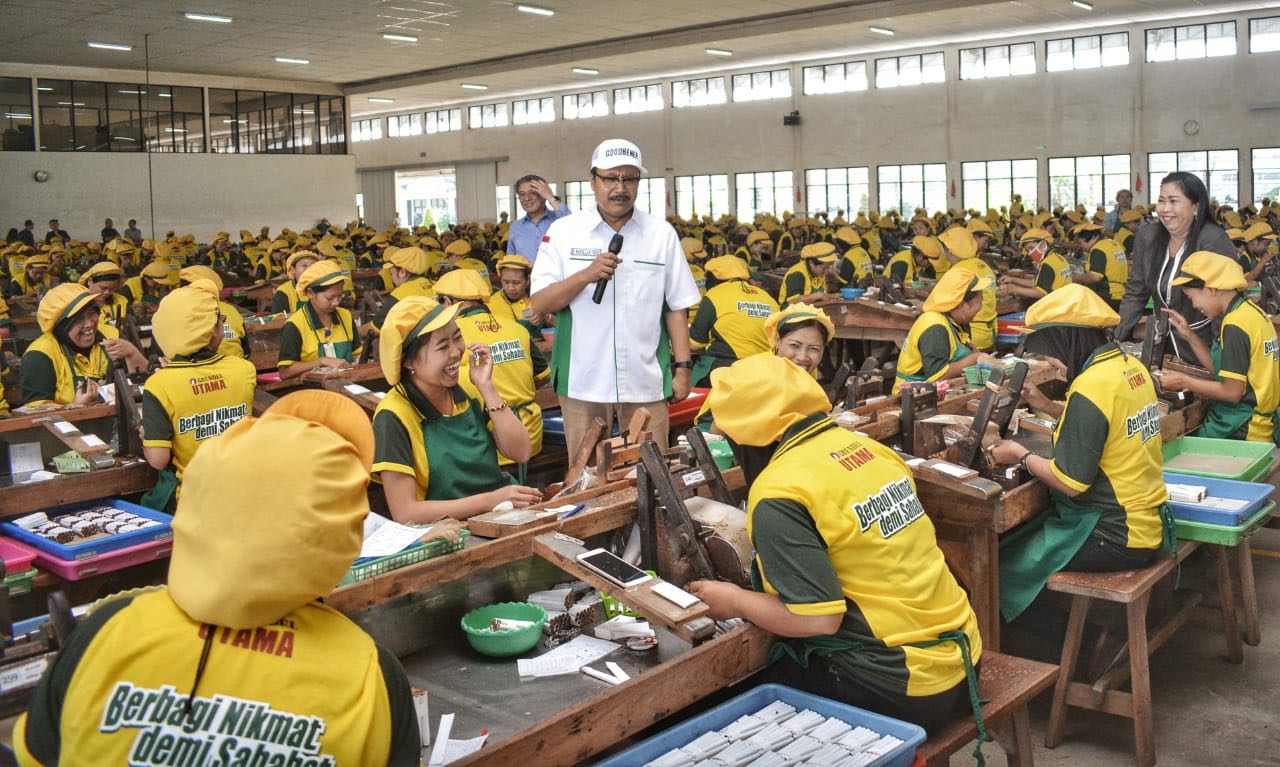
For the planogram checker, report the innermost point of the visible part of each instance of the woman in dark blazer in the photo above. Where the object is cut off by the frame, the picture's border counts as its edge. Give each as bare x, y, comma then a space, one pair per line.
1183, 226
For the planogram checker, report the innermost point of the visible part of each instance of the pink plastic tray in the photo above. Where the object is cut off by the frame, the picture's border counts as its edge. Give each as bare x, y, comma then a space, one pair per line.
104, 563
17, 556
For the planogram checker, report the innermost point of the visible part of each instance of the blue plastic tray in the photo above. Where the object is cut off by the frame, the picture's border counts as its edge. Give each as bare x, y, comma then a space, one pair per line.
752, 701
1255, 493
98, 545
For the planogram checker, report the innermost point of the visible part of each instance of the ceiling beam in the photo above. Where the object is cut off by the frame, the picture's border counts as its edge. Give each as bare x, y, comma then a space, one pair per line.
850, 12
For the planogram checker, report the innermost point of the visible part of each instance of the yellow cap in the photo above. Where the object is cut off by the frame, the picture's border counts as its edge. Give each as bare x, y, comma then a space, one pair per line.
412, 260
37, 260
978, 226
1087, 226
1036, 234
757, 236
103, 270
190, 274
297, 256
959, 242
778, 322
756, 399
952, 287
1211, 270
728, 268
408, 319
514, 262
458, 248
823, 252
319, 276
1129, 216
303, 548
220, 236
158, 271
850, 236
464, 285
862, 222
1235, 234
62, 302
1259, 230
927, 245
1072, 305
183, 323
428, 242
692, 247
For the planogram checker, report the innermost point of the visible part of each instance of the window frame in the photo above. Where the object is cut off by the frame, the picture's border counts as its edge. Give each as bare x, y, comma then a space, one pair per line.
1030, 195
920, 68
1177, 42
1206, 175
1251, 33
754, 188
1107, 195
844, 78
432, 119
985, 49
773, 89
850, 209
710, 190
599, 106
1253, 172
649, 89
924, 188
1102, 63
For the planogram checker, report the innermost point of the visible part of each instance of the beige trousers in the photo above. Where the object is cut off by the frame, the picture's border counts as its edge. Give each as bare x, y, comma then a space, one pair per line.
578, 414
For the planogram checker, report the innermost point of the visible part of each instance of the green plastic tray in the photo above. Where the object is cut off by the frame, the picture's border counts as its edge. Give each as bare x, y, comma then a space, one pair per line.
1219, 534
366, 570
1258, 452
20, 583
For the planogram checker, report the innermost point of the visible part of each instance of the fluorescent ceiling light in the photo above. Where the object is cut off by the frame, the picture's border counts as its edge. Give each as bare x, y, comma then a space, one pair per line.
882, 31
43, 88
70, 103
585, 71
719, 52
475, 87
165, 95
17, 116
399, 38
207, 17
1082, 4
535, 10
111, 46
381, 100
175, 130
132, 93
291, 60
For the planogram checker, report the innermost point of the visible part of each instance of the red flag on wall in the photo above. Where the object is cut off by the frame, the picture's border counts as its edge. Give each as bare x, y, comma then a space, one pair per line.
1137, 182
953, 188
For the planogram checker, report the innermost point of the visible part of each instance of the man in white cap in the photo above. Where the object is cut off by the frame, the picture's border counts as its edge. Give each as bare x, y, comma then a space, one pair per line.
631, 348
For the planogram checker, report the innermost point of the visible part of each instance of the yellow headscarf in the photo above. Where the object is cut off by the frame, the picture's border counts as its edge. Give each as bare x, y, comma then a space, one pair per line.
1072, 305
190, 274
319, 276
778, 321
464, 285
62, 302
756, 399
951, 289
184, 322
408, 319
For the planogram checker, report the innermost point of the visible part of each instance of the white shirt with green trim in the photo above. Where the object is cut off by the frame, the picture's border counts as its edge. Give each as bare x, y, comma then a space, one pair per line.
613, 345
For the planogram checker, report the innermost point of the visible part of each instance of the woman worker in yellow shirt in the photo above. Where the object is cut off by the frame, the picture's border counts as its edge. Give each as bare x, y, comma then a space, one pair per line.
71, 359
512, 299
235, 340
1245, 358
436, 448
322, 333
518, 366
730, 321
1105, 479
103, 278
937, 346
1052, 270
960, 249
806, 282
287, 298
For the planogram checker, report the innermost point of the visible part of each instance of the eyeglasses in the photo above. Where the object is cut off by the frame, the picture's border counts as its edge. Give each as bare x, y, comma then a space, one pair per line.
631, 182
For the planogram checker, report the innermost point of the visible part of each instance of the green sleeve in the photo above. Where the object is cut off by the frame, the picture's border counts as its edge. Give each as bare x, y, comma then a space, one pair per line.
847, 271
260, 273
290, 343
898, 271
794, 285
390, 441
1098, 261
1235, 351
406, 742
700, 330
536, 356
279, 302
387, 303
38, 380
157, 425
1077, 452
1044, 278
44, 717
13, 288
792, 554
935, 350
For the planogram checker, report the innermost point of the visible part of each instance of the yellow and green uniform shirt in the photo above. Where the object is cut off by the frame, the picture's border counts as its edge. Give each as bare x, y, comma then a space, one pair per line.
234, 336
1124, 238
799, 282
982, 328
51, 373
932, 344
416, 286
518, 367
1247, 351
474, 264
303, 338
449, 457
786, 242
112, 315
312, 688
901, 268
1109, 259
20, 284
134, 290
1054, 272
286, 298
504, 308
268, 268
730, 324
191, 400
1107, 446
854, 265
838, 530
699, 279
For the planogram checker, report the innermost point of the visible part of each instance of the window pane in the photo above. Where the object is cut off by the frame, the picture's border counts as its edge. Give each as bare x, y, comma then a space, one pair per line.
997, 60
1220, 39
223, 128
1087, 52
18, 115
1264, 35
1266, 174
1115, 50
1190, 42
1058, 56
1022, 59
971, 64
909, 70
886, 73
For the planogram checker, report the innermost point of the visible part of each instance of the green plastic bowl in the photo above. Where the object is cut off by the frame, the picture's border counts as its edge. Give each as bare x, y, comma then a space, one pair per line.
501, 644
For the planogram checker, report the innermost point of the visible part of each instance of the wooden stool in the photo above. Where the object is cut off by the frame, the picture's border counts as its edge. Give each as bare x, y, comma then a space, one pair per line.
1132, 588
1007, 684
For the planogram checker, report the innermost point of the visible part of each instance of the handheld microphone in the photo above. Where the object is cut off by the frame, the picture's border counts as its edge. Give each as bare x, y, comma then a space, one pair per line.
615, 246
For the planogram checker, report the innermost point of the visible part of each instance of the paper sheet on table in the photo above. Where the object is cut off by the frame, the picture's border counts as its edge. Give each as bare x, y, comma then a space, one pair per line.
458, 749
382, 537
567, 658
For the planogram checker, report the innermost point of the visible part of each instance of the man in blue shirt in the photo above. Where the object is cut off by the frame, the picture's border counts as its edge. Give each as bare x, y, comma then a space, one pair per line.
541, 207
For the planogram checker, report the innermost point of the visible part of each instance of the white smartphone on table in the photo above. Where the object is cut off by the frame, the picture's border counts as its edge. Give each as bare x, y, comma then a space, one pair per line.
613, 568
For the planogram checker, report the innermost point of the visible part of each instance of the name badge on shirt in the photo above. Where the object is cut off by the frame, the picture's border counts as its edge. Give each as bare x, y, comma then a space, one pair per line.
327, 350
584, 253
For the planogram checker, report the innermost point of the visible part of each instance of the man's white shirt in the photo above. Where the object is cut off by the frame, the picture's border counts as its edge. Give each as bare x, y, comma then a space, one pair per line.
611, 352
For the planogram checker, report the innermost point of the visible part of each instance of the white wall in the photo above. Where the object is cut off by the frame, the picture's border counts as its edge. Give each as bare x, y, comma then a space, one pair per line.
196, 193
1133, 109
